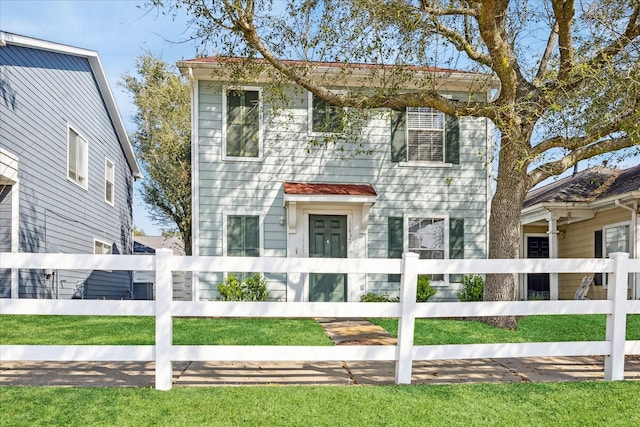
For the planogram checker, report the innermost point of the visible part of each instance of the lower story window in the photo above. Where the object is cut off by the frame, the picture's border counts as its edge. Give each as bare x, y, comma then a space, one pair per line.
427, 238
243, 239
101, 248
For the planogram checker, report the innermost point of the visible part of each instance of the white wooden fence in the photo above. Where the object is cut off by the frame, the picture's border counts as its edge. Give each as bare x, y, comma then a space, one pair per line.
616, 307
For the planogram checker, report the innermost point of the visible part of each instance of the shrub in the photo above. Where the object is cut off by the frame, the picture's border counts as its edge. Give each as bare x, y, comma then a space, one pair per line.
253, 289
425, 290
424, 293
472, 288
373, 297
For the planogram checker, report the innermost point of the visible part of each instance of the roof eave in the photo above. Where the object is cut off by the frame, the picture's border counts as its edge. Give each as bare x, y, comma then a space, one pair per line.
480, 82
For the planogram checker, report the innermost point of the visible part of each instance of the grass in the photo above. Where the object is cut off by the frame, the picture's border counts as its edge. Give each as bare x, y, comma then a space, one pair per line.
556, 328
130, 330
522, 404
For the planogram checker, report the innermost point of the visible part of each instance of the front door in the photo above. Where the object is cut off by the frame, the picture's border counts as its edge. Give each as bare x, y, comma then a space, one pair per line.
538, 283
327, 239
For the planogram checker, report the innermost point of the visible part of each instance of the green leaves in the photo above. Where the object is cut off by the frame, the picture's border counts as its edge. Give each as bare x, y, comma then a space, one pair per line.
162, 141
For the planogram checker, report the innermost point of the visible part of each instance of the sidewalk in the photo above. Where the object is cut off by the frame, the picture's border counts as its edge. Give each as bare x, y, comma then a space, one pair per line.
342, 332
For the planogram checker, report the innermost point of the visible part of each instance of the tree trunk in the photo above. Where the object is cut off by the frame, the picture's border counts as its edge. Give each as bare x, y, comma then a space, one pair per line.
504, 229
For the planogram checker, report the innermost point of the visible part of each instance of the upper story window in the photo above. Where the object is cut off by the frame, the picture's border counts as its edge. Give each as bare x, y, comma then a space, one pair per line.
109, 181
242, 138
325, 118
424, 136
77, 158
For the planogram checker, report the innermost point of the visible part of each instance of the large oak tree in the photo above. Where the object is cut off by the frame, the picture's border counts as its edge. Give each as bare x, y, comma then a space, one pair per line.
567, 70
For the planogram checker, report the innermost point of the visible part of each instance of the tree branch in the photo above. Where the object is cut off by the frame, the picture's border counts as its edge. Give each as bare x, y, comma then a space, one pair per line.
546, 56
547, 170
563, 10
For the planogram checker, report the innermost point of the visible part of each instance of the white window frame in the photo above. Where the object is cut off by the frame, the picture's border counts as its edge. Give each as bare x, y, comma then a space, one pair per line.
428, 215
435, 130
103, 245
226, 214
109, 169
225, 90
82, 149
605, 252
310, 130
259, 214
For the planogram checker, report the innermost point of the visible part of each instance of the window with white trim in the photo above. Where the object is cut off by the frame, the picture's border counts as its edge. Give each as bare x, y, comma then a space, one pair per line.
425, 134
242, 138
77, 158
242, 234
616, 239
324, 118
101, 248
109, 181
428, 237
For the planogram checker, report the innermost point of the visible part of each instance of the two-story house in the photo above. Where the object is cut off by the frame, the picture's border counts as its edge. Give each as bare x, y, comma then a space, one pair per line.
66, 168
265, 184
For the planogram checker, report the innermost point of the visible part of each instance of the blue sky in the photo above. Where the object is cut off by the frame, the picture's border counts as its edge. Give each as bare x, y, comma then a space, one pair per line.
119, 30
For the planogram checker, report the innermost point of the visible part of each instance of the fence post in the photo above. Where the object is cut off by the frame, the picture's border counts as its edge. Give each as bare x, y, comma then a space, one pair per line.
406, 322
617, 320
164, 326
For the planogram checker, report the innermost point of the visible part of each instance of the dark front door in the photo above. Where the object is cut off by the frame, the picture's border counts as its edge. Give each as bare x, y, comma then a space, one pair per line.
538, 283
327, 239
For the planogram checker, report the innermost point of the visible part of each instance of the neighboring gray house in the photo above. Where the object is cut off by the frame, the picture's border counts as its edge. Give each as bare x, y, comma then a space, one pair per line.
144, 281
66, 168
261, 187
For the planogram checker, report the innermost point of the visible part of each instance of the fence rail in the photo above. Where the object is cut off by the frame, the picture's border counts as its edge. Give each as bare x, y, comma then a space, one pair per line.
163, 353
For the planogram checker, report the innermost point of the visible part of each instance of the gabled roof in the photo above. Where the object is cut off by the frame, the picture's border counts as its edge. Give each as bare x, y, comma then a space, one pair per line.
590, 185
101, 79
149, 244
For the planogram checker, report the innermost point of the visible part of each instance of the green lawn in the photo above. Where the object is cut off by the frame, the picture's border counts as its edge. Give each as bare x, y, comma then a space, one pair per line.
129, 330
530, 329
522, 404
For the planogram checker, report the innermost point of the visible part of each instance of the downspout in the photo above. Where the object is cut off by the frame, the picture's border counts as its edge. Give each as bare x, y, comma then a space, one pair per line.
633, 248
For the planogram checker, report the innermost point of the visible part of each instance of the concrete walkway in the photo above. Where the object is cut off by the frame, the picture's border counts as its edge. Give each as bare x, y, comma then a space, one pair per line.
342, 332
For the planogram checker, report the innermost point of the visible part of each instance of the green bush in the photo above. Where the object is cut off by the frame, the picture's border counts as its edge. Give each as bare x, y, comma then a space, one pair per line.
373, 297
472, 288
253, 289
425, 290
424, 293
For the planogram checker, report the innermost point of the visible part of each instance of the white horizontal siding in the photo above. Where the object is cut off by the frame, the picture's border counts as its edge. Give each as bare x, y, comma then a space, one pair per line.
459, 190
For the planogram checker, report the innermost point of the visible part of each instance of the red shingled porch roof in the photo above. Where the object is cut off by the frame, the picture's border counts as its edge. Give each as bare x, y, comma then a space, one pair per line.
305, 188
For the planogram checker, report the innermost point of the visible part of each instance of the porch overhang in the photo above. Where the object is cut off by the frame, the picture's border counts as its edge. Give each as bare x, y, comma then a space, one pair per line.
328, 193
564, 213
